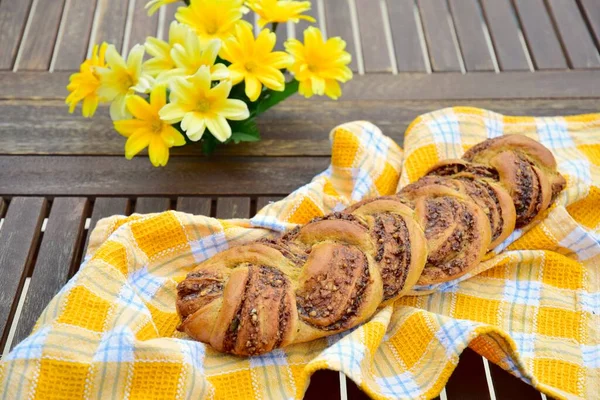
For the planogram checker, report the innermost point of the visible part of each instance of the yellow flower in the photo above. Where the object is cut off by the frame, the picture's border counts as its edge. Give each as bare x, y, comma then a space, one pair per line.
279, 10
212, 19
160, 50
147, 129
122, 79
198, 106
154, 5
319, 65
191, 55
84, 84
254, 61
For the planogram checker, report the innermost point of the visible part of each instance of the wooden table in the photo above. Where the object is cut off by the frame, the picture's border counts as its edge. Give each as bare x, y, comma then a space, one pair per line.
60, 173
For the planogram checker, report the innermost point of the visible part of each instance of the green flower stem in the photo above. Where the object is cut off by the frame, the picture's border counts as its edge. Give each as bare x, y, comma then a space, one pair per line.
272, 98
274, 26
187, 2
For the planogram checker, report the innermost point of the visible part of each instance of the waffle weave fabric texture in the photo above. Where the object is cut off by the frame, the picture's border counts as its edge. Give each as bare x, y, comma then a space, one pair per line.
532, 307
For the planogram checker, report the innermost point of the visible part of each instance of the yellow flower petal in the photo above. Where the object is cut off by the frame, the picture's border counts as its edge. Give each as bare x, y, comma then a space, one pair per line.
233, 109
158, 152
172, 136
194, 125
218, 126
271, 77
158, 97
265, 41
140, 108
253, 87
135, 60
128, 127
118, 108
174, 112
136, 143
333, 89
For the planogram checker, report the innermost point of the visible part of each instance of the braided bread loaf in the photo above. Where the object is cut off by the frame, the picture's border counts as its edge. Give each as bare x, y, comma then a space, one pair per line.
336, 271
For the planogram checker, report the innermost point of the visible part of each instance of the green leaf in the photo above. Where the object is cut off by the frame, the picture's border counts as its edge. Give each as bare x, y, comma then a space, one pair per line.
272, 98
209, 143
238, 137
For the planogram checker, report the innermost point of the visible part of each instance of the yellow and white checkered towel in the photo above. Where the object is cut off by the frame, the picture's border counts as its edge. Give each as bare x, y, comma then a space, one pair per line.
533, 309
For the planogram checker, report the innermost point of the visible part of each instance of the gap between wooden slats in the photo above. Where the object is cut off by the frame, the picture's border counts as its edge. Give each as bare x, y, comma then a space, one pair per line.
195, 205
575, 37
471, 31
139, 25
373, 40
39, 38
147, 205
105, 207
74, 37
506, 35
339, 23
591, 10
13, 19
441, 36
539, 32
110, 18
19, 239
56, 259
405, 36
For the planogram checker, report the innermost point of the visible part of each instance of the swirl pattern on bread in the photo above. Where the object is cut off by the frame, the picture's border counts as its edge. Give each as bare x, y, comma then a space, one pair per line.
335, 272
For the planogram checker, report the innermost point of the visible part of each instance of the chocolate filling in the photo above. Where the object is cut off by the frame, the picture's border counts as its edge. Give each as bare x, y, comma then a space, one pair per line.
197, 290
319, 300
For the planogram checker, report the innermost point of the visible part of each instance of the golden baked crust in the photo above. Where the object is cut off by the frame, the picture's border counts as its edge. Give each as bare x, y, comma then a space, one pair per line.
333, 273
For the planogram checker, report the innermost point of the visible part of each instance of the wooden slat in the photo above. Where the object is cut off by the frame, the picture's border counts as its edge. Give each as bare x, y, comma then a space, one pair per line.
469, 29
111, 19
233, 207
337, 18
18, 240
541, 37
73, 45
170, 10
303, 24
405, 35
591, 8
449, 86
142, 25
38, 45
376, 57
56, 259
13, 17
106, 207
195, 205
261, 202
504, 32
282, 36
442, 50
576, 39
147, 205
468, 380
33, 128
508, 387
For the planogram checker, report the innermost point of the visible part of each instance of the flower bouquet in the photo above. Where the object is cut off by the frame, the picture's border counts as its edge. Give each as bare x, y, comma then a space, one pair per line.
210, 80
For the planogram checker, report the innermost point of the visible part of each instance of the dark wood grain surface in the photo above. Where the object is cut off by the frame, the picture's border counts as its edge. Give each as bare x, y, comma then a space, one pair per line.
575, 36
405, 36
469, 29
439, 35
195, 205
376, 57
45, 152
541, 37
18, 242
56, 259
73, 45
38, 44
13, 17
338, 23
106, 207
504, 32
